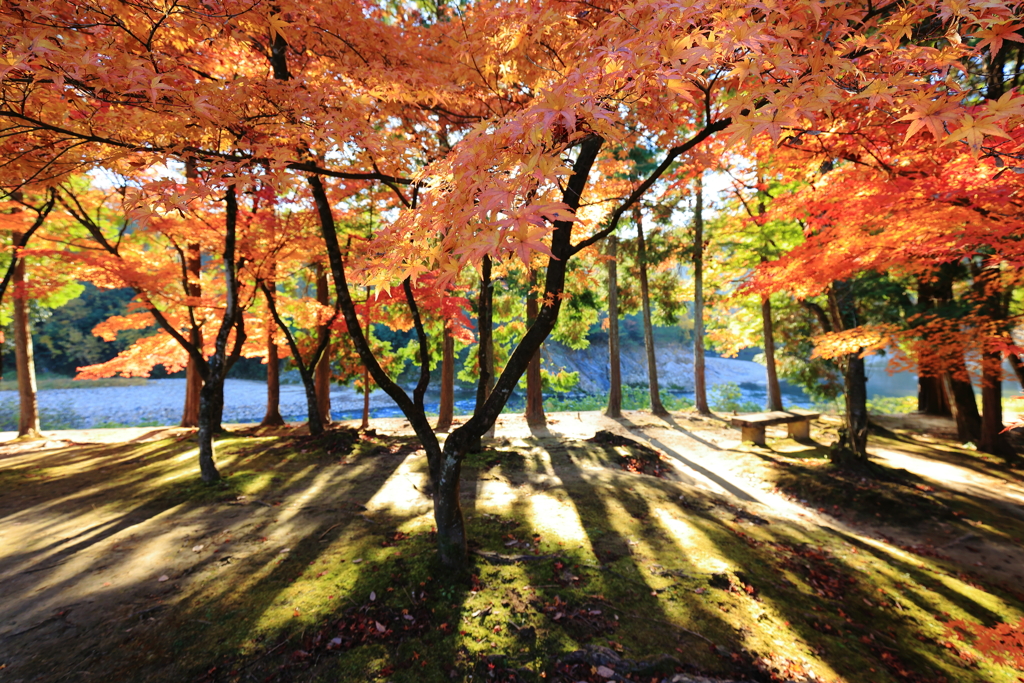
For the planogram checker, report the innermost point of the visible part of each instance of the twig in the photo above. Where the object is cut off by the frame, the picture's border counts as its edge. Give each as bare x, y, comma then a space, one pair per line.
329, 530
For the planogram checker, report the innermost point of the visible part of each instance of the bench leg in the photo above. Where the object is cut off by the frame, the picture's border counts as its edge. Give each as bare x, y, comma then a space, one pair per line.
801, 431
753, 433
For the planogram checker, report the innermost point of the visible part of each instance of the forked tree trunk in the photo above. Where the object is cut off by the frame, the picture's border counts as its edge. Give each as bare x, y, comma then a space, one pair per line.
700, 388
446, 404
28, 413
852, 446
614, 408
774, 392
193, 377
211, 397
323, 367
445, 463
962, 403
534, 383
645, 299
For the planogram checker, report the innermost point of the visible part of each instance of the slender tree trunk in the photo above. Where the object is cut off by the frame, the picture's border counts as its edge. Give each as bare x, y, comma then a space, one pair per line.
366, 371
652, 366
614, 408
273, 418
323, 368
28, 414
700, 388
446, 405
852, 446
774, 393
485, 349
193, 377
534, 384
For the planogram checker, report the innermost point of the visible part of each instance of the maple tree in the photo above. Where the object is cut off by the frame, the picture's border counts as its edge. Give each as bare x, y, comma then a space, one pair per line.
526, 105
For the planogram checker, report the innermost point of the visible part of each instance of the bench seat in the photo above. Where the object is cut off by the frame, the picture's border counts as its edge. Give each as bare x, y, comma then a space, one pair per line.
752, 424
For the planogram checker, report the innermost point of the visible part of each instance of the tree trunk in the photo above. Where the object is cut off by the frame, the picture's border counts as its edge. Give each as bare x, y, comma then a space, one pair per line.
963, 404
700, 389
211, 397
323, 368
208, 403
614, 408
366, 371
774, 393
445, 463
446, 404
273, 418
652, 366
484, 349
851, 449
931, 398
193, 378
28, 414
992, 438
534, 383
989, 289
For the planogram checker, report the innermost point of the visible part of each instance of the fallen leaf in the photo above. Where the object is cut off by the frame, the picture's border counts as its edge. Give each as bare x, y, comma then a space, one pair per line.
380, 627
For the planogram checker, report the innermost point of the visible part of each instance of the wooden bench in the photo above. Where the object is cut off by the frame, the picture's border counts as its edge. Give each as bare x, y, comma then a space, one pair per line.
752, 424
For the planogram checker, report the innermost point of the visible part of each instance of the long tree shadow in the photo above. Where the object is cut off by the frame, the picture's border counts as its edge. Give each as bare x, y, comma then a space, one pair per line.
81, 646
696, 467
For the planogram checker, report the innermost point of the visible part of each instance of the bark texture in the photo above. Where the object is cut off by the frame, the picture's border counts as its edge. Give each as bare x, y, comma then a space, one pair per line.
446, 404
24, 357
851, 450
700, 388
323, 364
534, 382
645, 301
774, 392
614, 408
193, 376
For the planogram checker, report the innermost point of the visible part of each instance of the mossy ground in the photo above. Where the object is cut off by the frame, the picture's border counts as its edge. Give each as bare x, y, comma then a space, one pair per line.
313, 560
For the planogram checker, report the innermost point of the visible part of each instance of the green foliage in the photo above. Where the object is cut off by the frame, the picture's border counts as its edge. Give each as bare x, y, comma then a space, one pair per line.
727, 398
892, 404
63, 337
633, 398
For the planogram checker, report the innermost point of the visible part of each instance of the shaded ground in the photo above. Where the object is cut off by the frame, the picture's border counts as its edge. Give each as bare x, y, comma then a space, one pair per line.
314, 560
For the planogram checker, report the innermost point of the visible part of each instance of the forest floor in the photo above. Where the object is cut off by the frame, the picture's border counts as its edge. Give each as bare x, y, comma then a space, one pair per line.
644, 548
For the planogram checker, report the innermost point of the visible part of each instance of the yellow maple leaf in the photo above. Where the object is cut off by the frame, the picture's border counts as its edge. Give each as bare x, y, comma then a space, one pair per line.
973, 132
